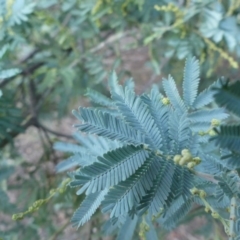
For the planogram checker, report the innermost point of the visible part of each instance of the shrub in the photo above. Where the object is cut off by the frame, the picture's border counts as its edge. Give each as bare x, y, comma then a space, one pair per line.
146, 159
52, 50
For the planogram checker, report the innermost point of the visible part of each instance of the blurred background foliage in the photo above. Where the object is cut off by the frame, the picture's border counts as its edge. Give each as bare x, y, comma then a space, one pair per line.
51, 51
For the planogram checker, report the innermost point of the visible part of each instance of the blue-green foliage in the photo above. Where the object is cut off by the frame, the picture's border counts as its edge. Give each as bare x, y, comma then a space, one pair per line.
228, 185
105, 125
228, 137
128, 228
179, 208
10, 118
191, 81
88, 207
82, 156
229, 96
115, 166
135, 174
127, 191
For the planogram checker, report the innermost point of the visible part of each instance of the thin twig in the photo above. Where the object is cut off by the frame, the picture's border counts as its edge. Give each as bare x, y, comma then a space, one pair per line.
112, 39
103, 44
50, 143
33, 100
25, 71
52, 131
30, 55
207, 177
25, 124
43, 97
59, 231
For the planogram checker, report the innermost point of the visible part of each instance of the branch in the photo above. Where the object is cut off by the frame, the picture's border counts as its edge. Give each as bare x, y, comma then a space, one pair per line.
31, 121
30, 55
52, 131
112, 39
103, 44
27, 123
43, 97
26, 71
33, 100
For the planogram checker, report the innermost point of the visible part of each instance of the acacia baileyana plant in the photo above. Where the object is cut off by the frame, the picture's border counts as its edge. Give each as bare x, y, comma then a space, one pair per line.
146, 159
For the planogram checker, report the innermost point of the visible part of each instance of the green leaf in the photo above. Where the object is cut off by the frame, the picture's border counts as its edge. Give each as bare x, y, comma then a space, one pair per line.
115, 166
99, 98
87, 208
158, 194
206, 96
9, 73
106, 125
229, 97
208, 115
127, 194
191, 81
20, 10
159, 113
176, 212
228, 137
128, 228
135, 113
229, 185
179, 132
172, 93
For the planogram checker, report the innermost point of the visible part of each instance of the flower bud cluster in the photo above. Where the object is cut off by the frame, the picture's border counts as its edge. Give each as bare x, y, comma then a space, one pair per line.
211, 132
144, 227
208, 209
170, 8
186, 159
198, 192
37, 204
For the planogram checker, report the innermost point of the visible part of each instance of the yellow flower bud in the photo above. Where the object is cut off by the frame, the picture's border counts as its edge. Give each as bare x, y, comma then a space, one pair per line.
207, 209
31, 209
52, 191
202, 194
215, 122
185, 151
187, 157
61, 190
201, 133
177, 158
212, 133
14, 217
38, 203
17, 216
191, 165
215, 215
182, 161
145, 146
194, 191
165, 101
146, 228
197, 160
